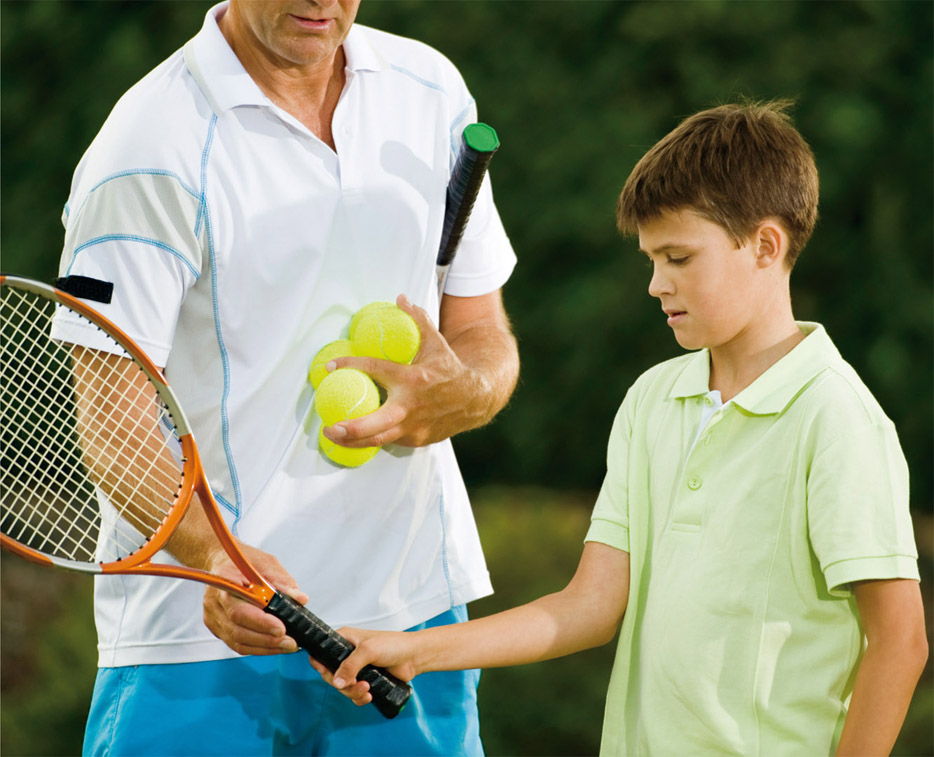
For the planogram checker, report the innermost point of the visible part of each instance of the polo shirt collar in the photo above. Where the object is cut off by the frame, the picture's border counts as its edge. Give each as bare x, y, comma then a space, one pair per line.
226, 83
775, 389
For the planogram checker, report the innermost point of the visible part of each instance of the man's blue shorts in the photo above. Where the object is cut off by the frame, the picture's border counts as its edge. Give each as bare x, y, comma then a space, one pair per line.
274, 705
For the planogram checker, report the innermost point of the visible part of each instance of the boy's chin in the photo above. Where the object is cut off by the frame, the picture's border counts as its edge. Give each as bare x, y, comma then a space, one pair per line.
689, 342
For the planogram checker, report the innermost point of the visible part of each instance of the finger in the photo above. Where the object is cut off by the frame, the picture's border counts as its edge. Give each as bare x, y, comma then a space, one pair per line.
380, 427
347, 673
226, 623
251, 618
358, 691
419, 314
384, 372
288, 587
322, 670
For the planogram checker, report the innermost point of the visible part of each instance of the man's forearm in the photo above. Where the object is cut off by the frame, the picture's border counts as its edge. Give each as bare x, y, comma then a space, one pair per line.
478, 331
491, 357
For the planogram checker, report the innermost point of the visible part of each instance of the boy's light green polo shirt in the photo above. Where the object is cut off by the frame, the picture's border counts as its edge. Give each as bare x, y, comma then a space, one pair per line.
742, 635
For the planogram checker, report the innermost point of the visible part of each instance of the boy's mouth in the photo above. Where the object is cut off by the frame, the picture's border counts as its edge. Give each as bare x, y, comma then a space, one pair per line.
674, 316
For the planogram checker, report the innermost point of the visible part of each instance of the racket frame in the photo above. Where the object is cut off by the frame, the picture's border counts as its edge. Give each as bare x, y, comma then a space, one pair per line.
256, 589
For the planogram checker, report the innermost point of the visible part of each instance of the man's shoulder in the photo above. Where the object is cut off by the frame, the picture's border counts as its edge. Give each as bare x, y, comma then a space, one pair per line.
412, 57
160, 124
161, 112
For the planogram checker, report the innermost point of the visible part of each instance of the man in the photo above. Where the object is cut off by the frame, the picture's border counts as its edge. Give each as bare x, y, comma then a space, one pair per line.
246, 198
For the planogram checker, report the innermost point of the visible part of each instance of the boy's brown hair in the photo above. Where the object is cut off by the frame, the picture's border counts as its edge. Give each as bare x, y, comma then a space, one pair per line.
735, 165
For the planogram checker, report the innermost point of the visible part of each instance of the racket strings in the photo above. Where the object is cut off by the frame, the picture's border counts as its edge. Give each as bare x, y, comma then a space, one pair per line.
73, 422
134, 412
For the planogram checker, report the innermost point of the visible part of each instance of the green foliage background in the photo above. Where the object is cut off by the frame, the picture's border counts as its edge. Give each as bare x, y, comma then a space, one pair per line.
577, 91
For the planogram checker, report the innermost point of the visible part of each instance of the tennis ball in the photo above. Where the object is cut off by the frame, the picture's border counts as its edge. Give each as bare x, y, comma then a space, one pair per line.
364, 311
344, 394
317, 370
388, 333
349, 457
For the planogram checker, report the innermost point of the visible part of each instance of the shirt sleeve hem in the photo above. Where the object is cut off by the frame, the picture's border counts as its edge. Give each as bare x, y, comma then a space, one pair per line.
467, 285
841, 574
609, 533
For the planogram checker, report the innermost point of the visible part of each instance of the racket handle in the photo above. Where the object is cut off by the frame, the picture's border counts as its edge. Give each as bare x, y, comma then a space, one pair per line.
330, 649
479, 143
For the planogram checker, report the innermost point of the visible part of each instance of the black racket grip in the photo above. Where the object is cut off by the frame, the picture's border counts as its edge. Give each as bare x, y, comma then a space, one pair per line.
480, 143
330, 649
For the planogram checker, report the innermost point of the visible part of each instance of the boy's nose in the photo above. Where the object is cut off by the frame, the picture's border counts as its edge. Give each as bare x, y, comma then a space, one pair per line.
660, 284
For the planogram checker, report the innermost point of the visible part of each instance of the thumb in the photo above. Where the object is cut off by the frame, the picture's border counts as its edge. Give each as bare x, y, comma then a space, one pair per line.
426, 326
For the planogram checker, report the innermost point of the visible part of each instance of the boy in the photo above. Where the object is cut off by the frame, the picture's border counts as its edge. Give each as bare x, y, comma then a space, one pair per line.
752, 532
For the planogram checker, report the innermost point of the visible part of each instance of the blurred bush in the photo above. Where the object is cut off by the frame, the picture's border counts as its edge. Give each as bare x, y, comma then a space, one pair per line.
577, 93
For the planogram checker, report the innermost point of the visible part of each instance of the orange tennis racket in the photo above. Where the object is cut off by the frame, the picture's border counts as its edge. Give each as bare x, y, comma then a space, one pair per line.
98, 465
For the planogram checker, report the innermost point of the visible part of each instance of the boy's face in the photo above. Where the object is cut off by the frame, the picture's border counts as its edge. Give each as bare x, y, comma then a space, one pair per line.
712, 292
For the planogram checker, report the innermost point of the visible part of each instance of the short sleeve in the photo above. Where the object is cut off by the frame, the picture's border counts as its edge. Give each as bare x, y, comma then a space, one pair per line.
485, 258
143, 232
858, 517
610, 519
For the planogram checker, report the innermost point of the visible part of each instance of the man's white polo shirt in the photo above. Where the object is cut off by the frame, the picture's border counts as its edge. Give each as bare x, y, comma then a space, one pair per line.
239, 244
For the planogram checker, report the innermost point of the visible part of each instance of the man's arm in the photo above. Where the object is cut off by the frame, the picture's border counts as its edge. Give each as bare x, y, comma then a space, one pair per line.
585, 614
892, 617
128, 395
464, 374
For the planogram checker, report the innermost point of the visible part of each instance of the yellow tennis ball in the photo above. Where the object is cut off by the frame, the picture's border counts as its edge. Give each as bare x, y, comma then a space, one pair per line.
349, 457
345, 394
317, 370
364, 311
388, 333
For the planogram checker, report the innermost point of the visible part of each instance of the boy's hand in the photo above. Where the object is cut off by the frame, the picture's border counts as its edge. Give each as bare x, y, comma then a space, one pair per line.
392, 650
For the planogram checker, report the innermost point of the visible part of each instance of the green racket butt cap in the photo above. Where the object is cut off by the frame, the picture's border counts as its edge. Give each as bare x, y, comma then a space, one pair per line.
481, 137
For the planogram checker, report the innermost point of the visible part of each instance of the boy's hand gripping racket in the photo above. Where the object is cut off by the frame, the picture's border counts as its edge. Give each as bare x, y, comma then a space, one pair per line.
98, 465
479, 144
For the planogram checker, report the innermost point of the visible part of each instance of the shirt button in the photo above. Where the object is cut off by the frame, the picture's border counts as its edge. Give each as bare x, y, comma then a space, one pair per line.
694, 483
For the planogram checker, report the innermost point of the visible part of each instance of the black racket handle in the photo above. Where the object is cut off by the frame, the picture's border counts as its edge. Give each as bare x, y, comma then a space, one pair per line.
330, 649
479, 144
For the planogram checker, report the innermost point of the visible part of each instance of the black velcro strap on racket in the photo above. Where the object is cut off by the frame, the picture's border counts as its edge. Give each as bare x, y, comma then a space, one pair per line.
86, 288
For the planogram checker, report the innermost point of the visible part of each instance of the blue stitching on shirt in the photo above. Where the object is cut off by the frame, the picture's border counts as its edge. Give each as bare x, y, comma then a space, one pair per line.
419, 79
145, 172
134, 238
221, 500
444, 549
134, 172
455, 148
225, 360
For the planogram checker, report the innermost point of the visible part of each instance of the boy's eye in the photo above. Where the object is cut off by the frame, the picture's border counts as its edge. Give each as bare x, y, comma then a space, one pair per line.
678, 261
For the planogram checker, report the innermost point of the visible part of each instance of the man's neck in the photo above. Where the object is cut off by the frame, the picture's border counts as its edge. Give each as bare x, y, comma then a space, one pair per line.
309, 93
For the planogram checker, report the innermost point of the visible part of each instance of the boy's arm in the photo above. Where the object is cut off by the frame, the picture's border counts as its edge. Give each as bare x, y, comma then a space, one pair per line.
892, 617
585, 614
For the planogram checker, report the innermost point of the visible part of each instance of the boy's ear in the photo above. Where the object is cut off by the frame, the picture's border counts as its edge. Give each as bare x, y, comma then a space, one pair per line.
771, 243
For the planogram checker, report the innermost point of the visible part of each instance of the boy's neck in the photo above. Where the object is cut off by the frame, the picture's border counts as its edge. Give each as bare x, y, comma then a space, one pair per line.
736, 365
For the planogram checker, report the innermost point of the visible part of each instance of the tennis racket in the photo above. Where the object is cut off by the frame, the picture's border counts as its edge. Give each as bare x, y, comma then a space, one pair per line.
98, 464
479, 144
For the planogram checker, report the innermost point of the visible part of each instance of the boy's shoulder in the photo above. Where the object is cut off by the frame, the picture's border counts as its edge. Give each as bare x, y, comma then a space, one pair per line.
689, 373
837, 402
